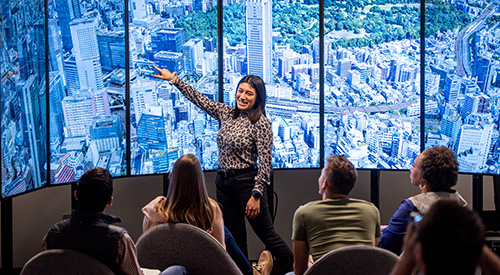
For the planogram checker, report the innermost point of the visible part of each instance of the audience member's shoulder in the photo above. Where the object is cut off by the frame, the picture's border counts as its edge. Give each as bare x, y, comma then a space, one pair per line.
59, 225
118, 229
309, 205
213, 203
363, 202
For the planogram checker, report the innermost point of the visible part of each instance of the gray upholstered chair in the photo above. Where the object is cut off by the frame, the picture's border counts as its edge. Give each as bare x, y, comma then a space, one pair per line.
64, 261
183, 244
354, 260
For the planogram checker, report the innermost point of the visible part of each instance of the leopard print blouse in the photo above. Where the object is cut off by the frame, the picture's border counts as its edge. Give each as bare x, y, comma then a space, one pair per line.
240, 142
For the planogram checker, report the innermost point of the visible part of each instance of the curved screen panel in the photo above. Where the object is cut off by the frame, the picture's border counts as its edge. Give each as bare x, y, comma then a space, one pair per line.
278, 41
462, 83
164, 124
22, 96
87, 88
372, 83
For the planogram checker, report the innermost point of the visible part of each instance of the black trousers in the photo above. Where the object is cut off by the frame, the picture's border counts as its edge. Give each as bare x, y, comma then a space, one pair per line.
233, 194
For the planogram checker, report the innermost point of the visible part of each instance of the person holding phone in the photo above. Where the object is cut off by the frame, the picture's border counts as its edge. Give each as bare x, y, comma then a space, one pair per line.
449, 239
245, 138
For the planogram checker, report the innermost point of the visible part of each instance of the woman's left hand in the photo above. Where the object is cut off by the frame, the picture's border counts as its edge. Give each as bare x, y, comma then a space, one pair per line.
253, 207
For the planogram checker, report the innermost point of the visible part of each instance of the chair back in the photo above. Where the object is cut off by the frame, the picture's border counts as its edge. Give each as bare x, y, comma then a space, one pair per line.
64, 261
183, 244
354, 260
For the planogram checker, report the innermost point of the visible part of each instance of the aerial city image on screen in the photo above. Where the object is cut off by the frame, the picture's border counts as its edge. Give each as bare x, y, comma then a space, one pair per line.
462, 82
87, 88
371, 81
22, 96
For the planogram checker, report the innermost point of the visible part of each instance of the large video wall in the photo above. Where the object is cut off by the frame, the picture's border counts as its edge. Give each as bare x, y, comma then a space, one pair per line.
86, 87
164, 124
366, 74
372, 82
462, 83
23, 112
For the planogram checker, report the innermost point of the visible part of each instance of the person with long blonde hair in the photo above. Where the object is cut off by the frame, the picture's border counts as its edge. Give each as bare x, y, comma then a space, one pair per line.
187, 201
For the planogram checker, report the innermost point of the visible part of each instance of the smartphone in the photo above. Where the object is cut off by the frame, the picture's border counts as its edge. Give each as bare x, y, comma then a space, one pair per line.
416, 216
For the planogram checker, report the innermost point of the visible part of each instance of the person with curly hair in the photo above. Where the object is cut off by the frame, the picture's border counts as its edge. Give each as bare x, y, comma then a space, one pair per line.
435, 172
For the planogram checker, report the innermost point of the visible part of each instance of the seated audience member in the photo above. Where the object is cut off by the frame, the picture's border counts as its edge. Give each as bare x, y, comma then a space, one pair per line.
448, 240
90, 230
336, 220
187, 201
434, 171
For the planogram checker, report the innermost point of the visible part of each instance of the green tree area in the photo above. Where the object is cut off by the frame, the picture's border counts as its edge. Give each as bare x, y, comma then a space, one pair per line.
234, 23
441, 17
198, 24
298, 24
493, 20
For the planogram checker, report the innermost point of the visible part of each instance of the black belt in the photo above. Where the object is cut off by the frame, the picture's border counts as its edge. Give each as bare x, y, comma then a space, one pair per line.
226, 173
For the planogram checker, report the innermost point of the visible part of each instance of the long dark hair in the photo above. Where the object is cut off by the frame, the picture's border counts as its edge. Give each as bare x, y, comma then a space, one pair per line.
260, 102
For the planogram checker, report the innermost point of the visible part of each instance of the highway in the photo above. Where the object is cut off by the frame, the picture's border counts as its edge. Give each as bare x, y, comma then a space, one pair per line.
462, 44
287, 107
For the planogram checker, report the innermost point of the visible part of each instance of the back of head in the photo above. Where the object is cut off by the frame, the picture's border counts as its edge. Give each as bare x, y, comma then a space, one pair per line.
94, 189
187, 197
452, 238
340, 175
439, 168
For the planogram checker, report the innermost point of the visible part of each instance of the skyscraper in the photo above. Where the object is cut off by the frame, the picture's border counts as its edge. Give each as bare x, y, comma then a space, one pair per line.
450, 126
475, 103
143, 95
106, 132
138, 8
170, 40
112, 49
79, 111
395, 70
56, 95
169, 60
86, 51
71, 72
343, 66
55, 48
482, 67
33, 102
259, 38
151, 130
431, 83
193, 55
67, 10
452, 87
473, 147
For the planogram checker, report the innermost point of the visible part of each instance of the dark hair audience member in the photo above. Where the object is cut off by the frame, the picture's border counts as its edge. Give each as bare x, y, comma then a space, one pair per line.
448, 240
434, 172
91, 231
